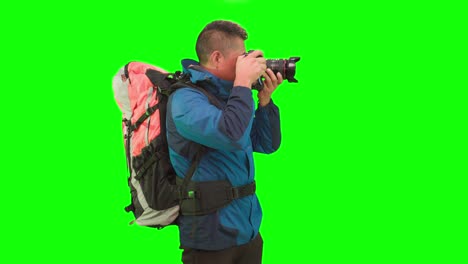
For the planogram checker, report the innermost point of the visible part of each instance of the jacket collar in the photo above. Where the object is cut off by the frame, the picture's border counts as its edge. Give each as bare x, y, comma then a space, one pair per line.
216, 86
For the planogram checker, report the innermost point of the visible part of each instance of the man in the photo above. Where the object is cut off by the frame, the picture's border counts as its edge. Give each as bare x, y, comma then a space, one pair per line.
231, 132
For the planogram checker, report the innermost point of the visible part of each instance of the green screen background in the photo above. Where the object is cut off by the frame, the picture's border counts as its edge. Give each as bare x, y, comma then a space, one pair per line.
370, 168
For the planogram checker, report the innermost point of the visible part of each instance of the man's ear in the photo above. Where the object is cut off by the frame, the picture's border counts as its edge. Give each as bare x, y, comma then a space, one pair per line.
215, 58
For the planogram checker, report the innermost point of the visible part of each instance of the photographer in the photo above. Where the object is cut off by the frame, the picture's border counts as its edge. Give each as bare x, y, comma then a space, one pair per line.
232, 133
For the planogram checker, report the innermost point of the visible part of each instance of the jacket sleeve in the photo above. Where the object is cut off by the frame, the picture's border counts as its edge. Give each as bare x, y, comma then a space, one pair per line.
266, 131
196, 119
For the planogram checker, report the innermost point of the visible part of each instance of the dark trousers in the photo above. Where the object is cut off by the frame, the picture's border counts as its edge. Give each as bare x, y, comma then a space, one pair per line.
250, 253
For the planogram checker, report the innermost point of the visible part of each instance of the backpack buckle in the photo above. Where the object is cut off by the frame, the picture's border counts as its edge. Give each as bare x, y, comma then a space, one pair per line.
188, 195
191, 194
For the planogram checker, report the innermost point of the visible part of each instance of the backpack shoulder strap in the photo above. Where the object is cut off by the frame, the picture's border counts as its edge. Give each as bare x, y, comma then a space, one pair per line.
184, 82
168, 83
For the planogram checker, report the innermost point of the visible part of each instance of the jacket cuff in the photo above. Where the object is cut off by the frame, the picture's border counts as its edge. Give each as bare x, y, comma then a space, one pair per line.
242, 91
270, 104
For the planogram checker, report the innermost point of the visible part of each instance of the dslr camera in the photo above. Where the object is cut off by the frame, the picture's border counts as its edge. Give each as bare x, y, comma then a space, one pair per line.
287, 68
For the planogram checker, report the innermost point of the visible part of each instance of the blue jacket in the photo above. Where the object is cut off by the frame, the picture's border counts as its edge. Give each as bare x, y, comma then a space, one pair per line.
233, 133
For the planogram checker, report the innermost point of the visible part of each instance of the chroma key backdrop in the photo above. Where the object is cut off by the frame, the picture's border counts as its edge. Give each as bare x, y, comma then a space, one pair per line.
373, 153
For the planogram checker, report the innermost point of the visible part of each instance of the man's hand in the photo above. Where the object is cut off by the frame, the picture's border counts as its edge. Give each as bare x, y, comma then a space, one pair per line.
249, 68
271, 82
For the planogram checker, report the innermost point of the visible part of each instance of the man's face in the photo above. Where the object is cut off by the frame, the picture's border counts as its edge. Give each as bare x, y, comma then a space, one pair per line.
227, 65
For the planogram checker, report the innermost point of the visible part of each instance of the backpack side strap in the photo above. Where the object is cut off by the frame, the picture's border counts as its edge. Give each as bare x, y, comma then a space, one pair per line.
201, 198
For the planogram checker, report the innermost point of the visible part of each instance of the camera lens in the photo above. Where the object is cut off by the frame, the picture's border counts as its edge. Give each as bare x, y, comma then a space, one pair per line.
286, 67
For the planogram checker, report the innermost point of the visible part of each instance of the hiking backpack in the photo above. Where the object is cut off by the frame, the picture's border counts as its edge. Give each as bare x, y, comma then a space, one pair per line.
157, 194
152, 178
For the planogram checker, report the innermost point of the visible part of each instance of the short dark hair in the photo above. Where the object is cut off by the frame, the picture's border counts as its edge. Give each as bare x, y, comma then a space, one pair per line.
217, 35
